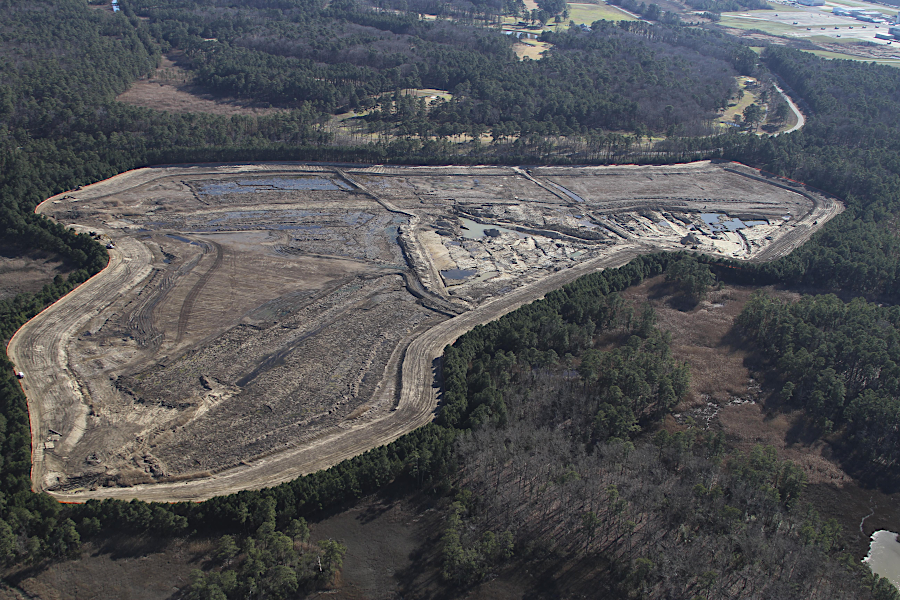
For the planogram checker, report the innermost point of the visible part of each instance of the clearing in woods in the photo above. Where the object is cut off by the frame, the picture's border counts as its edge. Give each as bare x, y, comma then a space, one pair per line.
259, 322
171, 88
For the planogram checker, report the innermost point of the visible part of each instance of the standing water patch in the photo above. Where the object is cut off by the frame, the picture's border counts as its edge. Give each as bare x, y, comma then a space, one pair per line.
458, 274
473, 231
884, 556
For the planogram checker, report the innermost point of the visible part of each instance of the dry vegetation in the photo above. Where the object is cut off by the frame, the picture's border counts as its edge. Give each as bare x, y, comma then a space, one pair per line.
732, 390
26, 272
170, 89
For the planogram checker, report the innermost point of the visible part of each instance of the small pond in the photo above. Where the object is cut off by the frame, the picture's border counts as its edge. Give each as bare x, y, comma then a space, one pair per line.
458, 274
182, 239
720, 222
473, 231
884, 556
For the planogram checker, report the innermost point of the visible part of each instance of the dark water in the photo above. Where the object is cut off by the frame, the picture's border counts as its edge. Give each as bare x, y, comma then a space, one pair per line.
182, 239
458, 273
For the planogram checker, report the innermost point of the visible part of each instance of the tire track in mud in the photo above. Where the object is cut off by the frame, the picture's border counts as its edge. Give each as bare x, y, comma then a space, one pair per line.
188, 305
39, 350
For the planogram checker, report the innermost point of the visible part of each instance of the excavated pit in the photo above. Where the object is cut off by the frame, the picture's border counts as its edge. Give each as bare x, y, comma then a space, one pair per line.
251, 310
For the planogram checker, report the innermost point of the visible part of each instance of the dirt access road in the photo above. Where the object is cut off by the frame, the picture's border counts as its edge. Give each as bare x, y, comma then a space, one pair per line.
259, 322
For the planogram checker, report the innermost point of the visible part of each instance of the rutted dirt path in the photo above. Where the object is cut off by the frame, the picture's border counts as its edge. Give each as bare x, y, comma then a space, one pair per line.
40, 344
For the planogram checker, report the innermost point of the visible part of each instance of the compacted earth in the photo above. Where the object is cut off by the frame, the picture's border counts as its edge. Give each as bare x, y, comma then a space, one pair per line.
257, 322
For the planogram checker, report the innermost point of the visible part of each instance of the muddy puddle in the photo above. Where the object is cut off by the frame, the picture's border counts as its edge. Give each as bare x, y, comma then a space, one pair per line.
474, 231
458, 274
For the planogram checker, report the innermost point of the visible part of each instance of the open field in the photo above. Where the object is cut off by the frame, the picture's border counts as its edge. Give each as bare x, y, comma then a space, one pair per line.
895, 62
27, 272
532, 49
581, 13
745, 100
170, 89
836, 36
258, 322
588, 13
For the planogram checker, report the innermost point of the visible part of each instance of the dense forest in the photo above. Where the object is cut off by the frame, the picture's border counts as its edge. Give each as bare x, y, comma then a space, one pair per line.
535, 377
341, 58
839, 361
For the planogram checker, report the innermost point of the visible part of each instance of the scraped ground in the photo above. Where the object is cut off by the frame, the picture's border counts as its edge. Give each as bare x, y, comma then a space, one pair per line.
258, 322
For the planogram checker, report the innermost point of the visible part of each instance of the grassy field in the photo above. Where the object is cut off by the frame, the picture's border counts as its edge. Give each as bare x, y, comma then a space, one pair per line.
760, 24
588, 13
824, 39
826, 54
532, 49
738, 108
582, 13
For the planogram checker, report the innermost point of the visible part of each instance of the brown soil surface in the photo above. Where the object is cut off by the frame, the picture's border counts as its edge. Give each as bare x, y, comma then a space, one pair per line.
26, 272
258, 322
170, 89
392, 538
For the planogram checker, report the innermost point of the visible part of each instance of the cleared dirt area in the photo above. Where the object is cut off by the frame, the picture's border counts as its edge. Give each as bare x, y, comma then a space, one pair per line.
531, 49
258, 322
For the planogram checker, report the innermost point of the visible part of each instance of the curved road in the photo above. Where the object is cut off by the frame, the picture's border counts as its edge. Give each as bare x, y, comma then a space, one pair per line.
801, 120
39, 349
